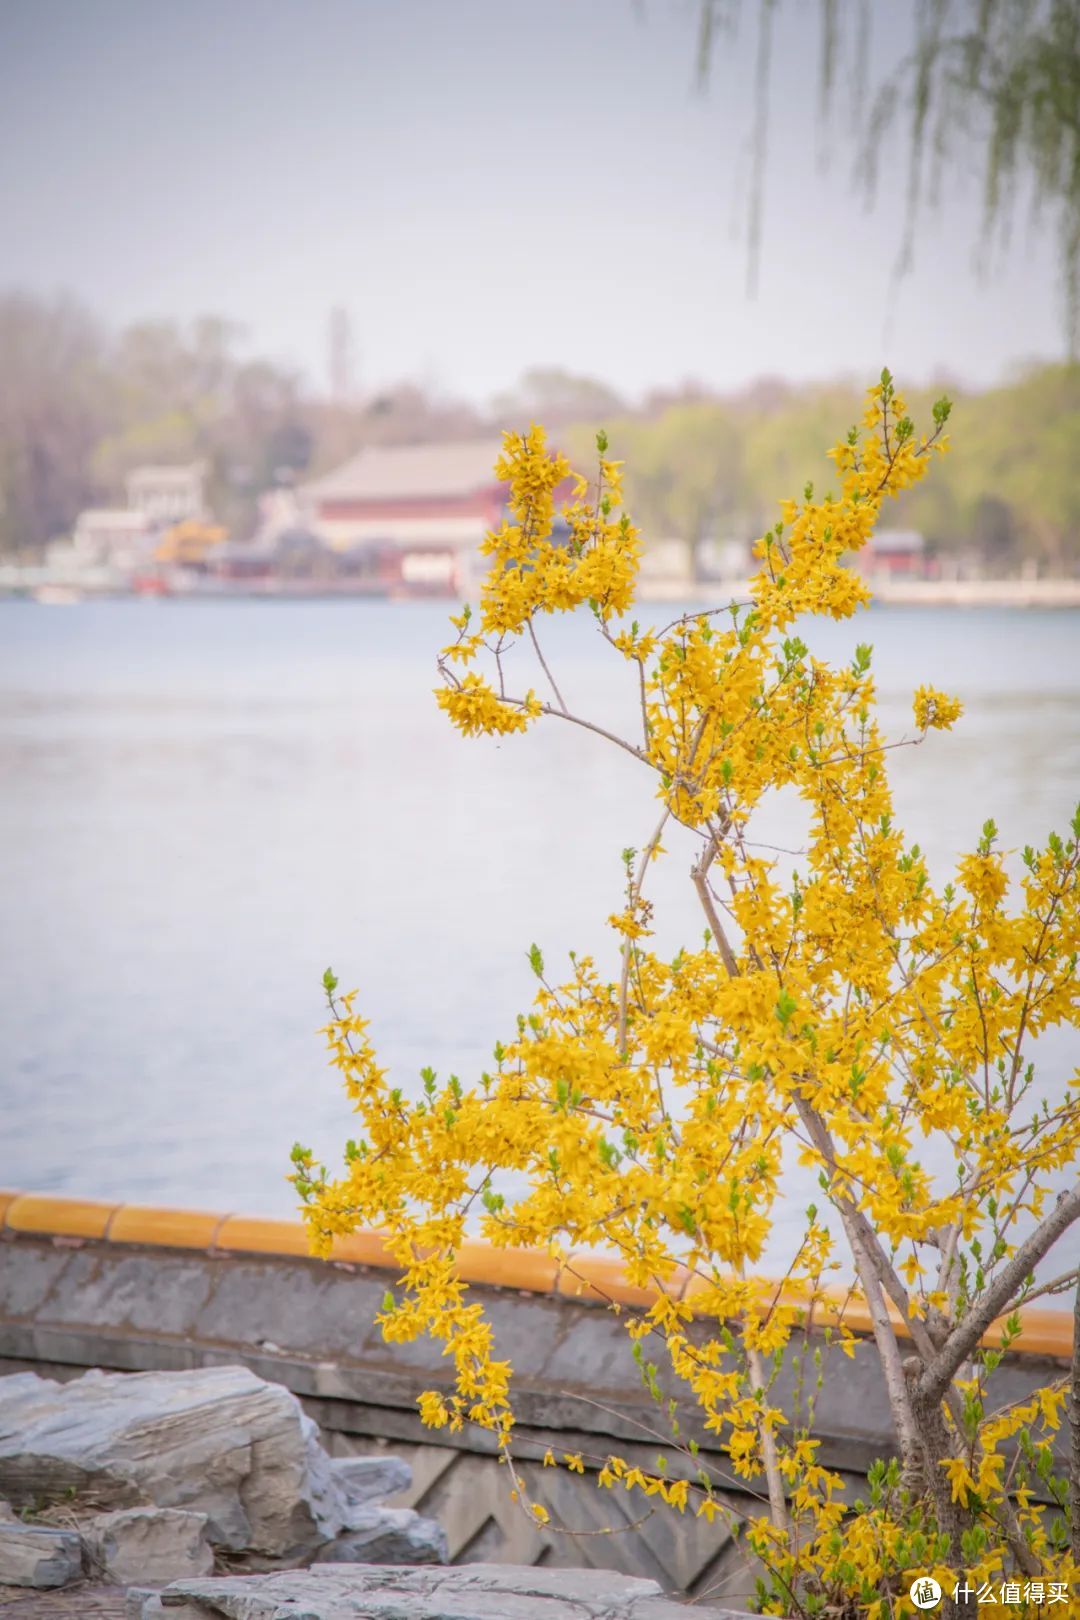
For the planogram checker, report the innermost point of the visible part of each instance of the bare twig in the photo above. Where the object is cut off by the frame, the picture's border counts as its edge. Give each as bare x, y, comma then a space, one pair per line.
560, 700
997, 1296
699, 872
635, 895
588, 725
911, 1449
1056, 1285
769, 1456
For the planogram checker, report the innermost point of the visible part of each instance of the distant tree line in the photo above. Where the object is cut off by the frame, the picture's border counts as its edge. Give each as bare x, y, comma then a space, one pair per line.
80, 406
702, 467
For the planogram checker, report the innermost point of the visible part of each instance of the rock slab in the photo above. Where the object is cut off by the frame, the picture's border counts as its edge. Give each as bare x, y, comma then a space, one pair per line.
37, 1555
147, 1544
212, 1440
380, 1592
372, 1478
380, 1535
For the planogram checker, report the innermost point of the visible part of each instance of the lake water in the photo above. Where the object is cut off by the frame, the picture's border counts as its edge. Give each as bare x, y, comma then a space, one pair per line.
206, 803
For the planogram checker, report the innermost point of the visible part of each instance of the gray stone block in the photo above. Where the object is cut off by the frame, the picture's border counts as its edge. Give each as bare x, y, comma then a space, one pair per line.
379, 1592
372, 1478
379, 1535
668, 1609
137, 1601
214, 1440
147, 1544
38, 1555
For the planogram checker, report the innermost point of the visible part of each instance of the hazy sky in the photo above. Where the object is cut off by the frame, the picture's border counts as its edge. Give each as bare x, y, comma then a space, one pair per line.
485, 185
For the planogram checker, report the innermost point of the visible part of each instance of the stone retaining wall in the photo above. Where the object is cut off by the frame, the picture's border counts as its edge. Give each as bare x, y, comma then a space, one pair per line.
134, 1291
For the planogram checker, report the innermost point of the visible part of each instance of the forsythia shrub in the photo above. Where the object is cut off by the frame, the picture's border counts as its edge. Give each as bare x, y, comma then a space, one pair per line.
855, 1012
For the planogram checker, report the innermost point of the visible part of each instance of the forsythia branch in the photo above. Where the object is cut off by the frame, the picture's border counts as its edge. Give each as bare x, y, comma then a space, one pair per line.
844, 1008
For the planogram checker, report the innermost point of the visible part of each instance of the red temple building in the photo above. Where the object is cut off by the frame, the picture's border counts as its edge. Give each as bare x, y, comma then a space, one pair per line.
410, 516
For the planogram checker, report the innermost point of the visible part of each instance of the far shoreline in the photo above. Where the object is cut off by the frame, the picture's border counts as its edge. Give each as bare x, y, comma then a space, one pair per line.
950, 593
925, 593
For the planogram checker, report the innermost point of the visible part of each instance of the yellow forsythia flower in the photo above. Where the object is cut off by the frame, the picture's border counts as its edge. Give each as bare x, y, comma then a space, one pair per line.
934, 710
